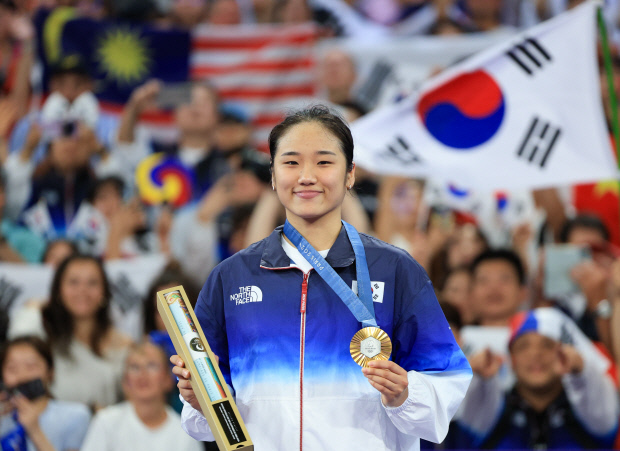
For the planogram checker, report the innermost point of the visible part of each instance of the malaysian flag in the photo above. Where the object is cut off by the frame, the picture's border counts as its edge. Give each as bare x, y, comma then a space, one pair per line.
268, 68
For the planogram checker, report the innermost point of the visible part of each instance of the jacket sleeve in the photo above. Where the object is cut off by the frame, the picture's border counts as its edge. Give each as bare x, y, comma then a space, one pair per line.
195, 424
424, 345
594, 400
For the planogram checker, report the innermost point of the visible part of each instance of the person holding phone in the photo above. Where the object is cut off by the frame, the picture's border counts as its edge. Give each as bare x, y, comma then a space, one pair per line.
282, 321
30, 418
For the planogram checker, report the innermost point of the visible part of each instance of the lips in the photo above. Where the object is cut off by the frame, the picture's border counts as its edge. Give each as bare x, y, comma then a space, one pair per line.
307, 194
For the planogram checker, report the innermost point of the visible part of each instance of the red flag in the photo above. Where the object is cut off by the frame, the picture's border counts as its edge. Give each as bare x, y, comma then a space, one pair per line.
602, 200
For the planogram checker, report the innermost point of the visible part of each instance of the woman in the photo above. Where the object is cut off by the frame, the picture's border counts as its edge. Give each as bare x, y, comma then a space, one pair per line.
282, 333
88, 350
29, 411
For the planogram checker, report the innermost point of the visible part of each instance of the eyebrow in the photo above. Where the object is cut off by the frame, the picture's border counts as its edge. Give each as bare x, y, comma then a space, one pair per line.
319, 152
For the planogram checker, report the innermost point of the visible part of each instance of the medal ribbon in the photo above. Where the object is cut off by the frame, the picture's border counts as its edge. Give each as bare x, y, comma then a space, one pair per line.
361, 305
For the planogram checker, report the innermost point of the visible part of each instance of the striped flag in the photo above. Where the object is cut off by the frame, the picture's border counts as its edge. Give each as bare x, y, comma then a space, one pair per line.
269, 68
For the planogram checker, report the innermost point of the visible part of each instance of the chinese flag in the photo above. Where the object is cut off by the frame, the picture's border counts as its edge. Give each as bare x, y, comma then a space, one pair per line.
602, 200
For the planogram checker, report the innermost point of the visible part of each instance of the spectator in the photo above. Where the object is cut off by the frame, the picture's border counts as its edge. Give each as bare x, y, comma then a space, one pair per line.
589, 307
154, 327
17, 243
195, 148
562, 398
33, 415
498, 287
143, 421
464, 243
61, 180
88, 350
455, 291
337, 75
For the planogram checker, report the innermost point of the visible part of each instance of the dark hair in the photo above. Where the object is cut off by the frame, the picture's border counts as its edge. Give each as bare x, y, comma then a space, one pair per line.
36, 343
452, 314
584, 221
506, 255
320, 114
171, 274
114, 181
58, 321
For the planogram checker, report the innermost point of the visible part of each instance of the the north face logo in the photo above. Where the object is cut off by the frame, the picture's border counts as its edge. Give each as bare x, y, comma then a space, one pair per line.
247, 294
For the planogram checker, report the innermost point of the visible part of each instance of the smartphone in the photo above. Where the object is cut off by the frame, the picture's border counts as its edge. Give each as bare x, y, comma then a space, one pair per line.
171, 95
559, 260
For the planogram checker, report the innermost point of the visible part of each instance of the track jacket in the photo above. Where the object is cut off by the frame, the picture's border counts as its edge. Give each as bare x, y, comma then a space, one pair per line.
295, 383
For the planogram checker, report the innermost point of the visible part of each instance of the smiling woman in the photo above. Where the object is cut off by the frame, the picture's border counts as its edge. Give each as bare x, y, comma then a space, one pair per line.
289, 356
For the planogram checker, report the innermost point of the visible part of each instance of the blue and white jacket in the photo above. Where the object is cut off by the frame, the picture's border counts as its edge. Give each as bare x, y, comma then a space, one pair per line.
288, 361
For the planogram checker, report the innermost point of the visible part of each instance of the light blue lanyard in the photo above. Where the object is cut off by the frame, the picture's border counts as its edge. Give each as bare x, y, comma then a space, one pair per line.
361, 305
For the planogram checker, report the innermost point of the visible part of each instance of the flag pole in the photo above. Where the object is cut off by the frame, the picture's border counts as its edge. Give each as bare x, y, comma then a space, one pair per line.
613, 101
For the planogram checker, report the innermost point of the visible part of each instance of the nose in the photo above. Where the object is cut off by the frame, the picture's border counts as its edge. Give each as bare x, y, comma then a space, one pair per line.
306, 175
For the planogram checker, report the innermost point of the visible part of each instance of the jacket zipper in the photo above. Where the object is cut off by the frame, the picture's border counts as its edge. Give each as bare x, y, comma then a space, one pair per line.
302, 344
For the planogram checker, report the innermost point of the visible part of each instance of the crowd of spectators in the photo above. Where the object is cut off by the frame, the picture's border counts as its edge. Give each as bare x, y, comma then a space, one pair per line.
545, 361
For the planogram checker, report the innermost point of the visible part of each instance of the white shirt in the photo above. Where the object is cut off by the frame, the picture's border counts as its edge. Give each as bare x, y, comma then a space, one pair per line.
118, 428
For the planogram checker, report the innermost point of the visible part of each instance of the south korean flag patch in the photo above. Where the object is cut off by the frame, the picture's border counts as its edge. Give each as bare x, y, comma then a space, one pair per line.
377, 290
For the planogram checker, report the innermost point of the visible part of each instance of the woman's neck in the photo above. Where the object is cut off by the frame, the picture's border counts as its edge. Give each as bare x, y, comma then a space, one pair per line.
83, 329
320, 233
151, 412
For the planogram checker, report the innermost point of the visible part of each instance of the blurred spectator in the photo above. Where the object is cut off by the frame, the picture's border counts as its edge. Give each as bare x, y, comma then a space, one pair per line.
455, 290
223, 12
28, 413
61, 180
195, 148
16, 56
399, 220
291, 12
498, 287
71, 98
188, 13
198, 243
464, 243
17, 243
562, 398
154, 328
485, 15
143, 421
337, 75
88, 350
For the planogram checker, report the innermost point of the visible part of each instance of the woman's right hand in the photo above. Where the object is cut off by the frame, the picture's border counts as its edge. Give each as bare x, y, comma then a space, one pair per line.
185, 387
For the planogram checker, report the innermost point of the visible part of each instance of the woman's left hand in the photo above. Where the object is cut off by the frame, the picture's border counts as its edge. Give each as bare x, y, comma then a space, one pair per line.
390, 380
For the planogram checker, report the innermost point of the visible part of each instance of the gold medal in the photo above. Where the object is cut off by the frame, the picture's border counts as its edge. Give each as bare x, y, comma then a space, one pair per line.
370, 343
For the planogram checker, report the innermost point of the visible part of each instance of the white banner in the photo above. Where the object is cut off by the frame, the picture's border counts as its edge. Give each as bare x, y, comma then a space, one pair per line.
523, 114
130, 280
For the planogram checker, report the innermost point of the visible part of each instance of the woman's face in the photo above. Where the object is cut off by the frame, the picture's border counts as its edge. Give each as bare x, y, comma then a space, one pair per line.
310, 172
81, 289
147, 375
23, 364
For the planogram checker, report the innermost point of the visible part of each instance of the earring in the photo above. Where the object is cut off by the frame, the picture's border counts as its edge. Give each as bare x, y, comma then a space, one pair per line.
273, 187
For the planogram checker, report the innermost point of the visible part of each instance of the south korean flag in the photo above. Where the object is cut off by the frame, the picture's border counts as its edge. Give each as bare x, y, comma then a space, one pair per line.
520, 115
